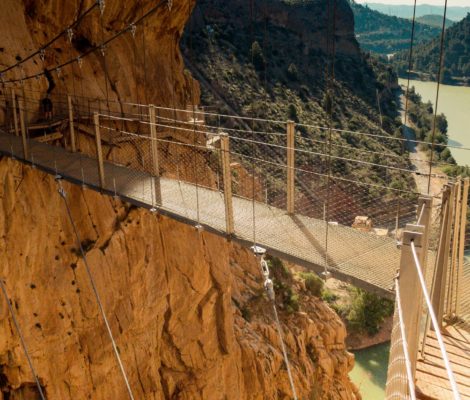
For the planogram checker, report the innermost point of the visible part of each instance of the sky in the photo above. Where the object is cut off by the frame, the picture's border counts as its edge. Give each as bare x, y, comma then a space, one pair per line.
450, 3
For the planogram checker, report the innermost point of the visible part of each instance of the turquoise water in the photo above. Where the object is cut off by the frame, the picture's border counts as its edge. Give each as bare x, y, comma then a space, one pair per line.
370, 371
454, 103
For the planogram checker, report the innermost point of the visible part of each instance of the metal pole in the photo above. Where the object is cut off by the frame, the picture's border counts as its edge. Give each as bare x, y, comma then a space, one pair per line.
99, 151
71, 125
23, 130
15, 115
155, 161
290, 167
227, 179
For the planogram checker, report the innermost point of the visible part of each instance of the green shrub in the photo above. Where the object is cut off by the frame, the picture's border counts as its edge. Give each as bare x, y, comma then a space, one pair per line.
329, 296
368, 311
313, 283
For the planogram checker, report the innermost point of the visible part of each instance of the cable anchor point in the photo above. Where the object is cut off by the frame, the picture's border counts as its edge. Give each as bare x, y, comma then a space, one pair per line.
103, 50
133, 28
70, 34
59, 71
79, 61
101, 5
42, 54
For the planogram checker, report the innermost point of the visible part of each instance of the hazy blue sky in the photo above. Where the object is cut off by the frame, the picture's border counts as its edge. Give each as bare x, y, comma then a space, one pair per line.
411, 2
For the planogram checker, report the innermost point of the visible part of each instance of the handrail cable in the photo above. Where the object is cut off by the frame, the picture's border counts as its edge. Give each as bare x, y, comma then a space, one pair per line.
337, 130
23, 342
404, 342
63, 194
435, 324
50, 42
270, 162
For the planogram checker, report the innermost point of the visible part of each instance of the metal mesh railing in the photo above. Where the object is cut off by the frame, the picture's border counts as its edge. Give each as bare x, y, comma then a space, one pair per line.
351, 197
400, 381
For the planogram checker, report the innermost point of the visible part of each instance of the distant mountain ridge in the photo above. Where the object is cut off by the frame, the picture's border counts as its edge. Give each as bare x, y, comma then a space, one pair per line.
434, 20
406, 11
457, 54
385, 34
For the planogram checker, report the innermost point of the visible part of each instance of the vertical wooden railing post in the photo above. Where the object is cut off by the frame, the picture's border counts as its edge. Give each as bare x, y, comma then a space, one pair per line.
410, 289
227, 179
440, 278
154, 151
290, 167
451, 287
15, 115
23, 129
427, 202
99, 152
71, 124
462, 233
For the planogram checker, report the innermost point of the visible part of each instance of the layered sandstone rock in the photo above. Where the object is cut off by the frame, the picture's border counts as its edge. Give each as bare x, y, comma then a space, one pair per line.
174, 297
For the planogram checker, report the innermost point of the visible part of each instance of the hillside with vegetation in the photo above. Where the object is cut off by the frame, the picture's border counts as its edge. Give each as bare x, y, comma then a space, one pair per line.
457, 55
275, 67
434, 20
454, 13
385, 34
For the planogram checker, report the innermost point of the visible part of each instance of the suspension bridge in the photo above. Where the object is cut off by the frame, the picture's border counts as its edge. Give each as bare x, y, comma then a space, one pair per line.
300, 191
255, 189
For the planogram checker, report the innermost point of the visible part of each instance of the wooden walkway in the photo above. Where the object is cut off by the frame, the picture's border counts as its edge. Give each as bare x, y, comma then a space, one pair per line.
431, 376
364, 259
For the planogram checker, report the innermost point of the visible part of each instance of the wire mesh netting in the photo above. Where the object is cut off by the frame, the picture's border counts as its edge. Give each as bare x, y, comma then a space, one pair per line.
398, 382
331, 198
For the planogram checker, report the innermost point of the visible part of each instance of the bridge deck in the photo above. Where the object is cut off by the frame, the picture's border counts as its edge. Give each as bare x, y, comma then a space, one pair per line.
431, 376
364, 259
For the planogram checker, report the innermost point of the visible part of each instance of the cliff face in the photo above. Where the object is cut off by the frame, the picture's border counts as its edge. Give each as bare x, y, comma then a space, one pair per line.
147, 68
176, 299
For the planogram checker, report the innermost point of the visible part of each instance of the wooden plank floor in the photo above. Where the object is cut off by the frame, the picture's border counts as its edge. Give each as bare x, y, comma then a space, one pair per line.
431, 377
364, 259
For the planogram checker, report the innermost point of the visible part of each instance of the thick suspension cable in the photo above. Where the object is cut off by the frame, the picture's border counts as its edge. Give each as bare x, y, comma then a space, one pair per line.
98, 46
23, 342
330, 104
50, 42
269, 287
410, 63
95, 289
436, 104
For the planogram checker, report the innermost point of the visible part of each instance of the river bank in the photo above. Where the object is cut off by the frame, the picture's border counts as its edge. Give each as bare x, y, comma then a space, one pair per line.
453, 102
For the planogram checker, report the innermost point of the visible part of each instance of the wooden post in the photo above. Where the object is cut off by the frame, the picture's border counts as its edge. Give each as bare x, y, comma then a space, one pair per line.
440, 279
410, 289
454, 252
15, 115
425, 221
227, 179
99, 152
154, 151
290, 167
23, 130
71, 124
463, 225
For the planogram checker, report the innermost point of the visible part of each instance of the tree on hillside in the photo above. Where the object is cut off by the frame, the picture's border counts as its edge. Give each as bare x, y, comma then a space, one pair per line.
257, 56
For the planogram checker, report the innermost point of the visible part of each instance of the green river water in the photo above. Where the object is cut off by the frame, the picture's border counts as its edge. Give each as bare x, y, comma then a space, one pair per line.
454, 102
370, 371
